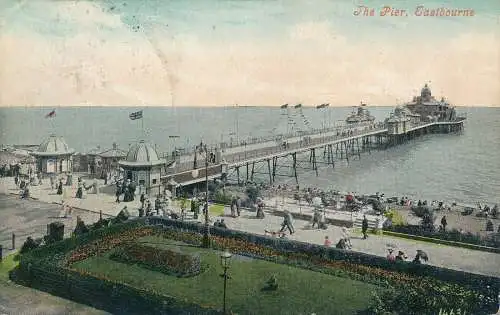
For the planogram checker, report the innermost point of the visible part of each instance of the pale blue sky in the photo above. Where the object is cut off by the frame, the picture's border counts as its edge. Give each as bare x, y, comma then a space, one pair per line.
199, 37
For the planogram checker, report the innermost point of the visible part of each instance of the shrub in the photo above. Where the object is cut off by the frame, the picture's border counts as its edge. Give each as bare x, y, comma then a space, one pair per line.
253, 192
164, 260
29, 245
395, 217
80, 227
494, 212
489, 226
418, 298
55, 233
427, 222
421, 211
222, 197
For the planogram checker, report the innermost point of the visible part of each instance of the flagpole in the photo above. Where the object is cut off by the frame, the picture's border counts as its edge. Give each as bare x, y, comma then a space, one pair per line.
142, 127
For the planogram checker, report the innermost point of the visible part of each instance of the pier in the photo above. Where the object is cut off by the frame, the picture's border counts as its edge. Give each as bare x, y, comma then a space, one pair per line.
324, 147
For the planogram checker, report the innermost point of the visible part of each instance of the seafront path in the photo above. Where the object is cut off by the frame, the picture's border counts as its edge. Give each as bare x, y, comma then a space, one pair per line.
88, 208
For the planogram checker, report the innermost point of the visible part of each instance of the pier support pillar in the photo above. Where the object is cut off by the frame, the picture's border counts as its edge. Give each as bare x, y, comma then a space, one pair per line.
270, 172
294, 165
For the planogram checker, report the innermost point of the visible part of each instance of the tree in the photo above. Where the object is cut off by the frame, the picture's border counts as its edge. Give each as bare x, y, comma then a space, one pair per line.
253, 193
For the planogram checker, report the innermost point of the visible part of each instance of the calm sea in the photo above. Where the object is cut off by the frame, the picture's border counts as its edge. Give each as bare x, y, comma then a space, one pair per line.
463, 168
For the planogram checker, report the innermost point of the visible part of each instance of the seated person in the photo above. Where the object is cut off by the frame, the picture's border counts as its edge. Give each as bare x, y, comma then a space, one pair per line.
222, 224
390, 256
341, 244
327, 242
401, 256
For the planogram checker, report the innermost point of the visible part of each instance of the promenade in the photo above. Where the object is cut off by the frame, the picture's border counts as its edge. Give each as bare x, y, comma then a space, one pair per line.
440, 255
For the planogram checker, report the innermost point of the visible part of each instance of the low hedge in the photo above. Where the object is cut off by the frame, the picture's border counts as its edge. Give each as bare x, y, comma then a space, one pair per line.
166, 261
452, 235
286, 246
105, 294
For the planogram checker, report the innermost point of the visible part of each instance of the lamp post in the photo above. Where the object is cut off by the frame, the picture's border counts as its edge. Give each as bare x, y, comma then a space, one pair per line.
225, 260
194, 173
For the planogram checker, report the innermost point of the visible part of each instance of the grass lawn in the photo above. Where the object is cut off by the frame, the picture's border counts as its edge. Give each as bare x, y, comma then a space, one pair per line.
300, 291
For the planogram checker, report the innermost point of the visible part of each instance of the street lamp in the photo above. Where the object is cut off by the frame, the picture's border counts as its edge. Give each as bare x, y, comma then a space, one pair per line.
195, 173
225, 260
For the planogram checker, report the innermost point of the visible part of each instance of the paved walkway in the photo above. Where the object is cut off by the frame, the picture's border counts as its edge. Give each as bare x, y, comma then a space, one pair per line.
440, 255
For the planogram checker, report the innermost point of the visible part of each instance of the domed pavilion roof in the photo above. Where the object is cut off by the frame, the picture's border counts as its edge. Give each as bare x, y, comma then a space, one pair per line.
53, 146
142, 154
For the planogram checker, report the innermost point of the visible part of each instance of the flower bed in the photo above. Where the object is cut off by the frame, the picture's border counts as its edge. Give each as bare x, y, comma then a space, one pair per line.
164, 260
474, 290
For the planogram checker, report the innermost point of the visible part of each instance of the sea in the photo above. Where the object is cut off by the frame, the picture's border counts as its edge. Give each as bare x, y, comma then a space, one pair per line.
462, 168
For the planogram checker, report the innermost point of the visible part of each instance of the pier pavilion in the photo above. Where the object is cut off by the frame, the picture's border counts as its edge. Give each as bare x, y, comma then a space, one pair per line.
53, 156
143, 166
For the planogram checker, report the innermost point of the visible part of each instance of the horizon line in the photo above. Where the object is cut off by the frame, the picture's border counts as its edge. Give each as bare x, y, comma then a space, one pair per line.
222, 106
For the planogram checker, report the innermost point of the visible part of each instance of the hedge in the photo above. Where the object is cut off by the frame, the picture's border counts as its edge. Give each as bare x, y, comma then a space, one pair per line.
452, 235
103, 293
313, 250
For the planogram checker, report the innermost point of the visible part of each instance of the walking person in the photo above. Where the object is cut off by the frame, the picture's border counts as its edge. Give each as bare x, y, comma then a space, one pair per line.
60, 188
238, 206
142, 199
287, 223
118, 193
364, 227
444, 223
346, 237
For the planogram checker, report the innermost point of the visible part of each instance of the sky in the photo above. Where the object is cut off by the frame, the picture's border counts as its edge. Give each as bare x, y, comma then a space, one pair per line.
259, 53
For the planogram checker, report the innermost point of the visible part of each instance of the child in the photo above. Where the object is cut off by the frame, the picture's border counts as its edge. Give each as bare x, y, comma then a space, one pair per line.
327, 243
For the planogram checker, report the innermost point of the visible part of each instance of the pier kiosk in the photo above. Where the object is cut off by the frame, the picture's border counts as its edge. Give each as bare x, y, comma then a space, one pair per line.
53, 156
143, 166
397, 126
110, 159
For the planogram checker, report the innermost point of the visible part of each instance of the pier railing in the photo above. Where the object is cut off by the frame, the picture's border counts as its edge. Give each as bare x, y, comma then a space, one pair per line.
279, 137
279, 147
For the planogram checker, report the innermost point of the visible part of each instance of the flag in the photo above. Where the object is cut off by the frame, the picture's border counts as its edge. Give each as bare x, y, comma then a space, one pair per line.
136, 115
51, 114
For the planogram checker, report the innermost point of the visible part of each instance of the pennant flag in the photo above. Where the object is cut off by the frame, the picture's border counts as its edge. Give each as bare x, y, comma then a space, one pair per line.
298, 106
51, 114
136, 115
284, 106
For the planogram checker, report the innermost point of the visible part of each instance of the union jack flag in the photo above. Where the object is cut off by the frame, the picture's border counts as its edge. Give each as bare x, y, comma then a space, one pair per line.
51, 114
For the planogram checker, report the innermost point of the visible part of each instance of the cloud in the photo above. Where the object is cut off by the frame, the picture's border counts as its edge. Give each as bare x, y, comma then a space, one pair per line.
313, 64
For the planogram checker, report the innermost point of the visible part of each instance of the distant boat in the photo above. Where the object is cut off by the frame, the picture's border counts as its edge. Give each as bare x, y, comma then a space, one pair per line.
360, 115
284, 106
322, 106
298, 106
